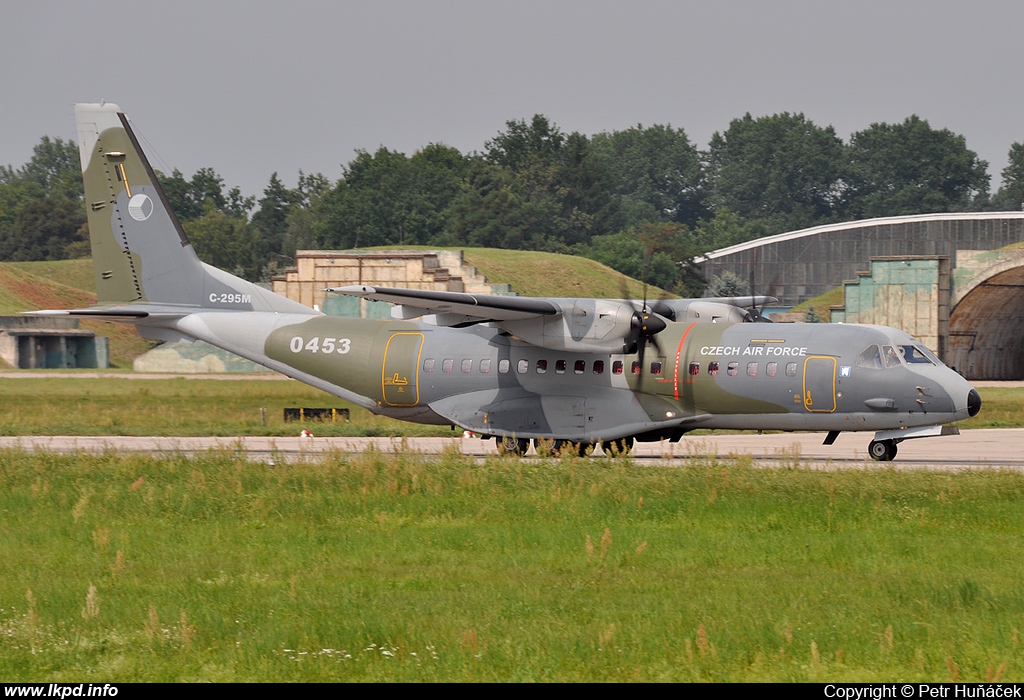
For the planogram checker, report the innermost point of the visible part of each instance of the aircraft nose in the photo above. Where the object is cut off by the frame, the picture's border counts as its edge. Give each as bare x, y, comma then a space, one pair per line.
973, 403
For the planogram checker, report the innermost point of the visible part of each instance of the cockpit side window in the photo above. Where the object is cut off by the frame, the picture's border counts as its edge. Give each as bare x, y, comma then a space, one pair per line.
871, 358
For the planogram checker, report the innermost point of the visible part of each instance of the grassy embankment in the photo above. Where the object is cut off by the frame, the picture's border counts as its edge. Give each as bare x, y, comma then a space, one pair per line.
394, 567
65, 284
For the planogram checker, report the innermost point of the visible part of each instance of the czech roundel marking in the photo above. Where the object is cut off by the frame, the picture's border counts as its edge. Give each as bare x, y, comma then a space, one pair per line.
140, 207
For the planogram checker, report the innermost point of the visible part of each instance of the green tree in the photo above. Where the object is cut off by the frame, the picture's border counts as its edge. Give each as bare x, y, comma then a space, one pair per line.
521, 144
535, 188
387, 198
53, 171
45, 229
727, 284
660, 254
191, 199
657, 172
1010, 196
271, 219
624, 253
584, 185
499, 208
911, 168
300, 226
727, 228
226, 242
782, 170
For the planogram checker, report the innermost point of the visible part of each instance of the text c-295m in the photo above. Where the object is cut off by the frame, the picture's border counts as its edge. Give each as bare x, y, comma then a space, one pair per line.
230, 298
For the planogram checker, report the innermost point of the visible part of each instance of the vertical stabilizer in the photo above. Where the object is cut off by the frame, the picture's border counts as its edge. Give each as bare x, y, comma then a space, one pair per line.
139, 249
131, 225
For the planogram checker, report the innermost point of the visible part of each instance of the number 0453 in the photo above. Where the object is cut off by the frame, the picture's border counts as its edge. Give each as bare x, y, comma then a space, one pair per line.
317, 344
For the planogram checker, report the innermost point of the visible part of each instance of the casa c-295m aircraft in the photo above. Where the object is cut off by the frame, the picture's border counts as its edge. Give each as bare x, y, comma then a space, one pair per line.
576, 372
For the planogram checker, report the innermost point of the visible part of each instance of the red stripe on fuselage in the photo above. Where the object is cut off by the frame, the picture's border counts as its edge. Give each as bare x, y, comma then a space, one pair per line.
679, 351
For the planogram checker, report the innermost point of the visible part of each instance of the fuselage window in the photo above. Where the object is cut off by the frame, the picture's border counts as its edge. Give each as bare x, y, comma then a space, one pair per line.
542, 366
617, 367
485, 366
694, 369
771, 369
446, 366
598, 366
428, 364
751, 369
790, 369
635, 369
655, 368
713, 369
503, 366
733, 369
467, 366
580, 367
559, 366
523, 366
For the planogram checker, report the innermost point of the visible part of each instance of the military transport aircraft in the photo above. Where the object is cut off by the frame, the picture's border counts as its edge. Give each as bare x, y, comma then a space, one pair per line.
576, 372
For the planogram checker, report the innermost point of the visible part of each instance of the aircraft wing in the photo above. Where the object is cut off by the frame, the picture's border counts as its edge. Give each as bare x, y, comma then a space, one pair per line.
745, 302
471, 307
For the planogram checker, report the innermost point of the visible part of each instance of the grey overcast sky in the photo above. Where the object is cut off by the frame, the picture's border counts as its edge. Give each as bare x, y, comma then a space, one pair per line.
250, 88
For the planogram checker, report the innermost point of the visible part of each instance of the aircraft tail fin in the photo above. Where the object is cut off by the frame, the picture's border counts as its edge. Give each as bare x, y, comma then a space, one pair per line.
139, 248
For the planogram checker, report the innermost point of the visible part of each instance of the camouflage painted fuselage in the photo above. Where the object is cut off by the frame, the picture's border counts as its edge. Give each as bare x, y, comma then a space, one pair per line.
741, 376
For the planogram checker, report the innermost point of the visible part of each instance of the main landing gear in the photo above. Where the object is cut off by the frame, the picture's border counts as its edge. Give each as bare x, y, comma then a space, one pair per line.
882, 450
517, 447
509, 445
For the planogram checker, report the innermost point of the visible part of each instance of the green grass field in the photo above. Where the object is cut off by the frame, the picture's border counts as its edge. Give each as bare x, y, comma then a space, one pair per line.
119, 405
395, 567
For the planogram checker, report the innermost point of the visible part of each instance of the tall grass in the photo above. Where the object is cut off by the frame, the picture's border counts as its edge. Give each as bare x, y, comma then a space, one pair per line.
395, 566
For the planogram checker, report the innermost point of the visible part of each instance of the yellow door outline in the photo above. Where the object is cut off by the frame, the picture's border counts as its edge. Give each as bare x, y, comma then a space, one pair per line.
400, 380
819, 403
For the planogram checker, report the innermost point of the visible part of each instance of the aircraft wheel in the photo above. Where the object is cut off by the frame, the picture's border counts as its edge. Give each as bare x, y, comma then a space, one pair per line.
617, 448
547, 447
509, 445
882, 450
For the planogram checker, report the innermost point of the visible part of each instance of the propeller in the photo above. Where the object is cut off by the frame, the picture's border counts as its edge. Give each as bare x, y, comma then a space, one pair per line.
756, 314
645, 324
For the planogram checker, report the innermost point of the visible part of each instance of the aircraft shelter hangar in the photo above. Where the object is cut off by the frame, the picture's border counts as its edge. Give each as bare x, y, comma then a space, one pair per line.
954, 280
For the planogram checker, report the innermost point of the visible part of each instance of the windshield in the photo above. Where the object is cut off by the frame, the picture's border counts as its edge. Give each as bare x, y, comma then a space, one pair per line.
918, 354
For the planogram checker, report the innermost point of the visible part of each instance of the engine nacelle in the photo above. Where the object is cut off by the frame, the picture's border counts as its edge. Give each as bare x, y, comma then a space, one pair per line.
588, 325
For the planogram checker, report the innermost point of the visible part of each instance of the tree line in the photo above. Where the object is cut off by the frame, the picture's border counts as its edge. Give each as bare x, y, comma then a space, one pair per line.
644, 200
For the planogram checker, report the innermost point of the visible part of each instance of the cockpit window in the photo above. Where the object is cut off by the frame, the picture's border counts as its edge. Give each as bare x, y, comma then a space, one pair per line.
892, 358
871, 358
916, 354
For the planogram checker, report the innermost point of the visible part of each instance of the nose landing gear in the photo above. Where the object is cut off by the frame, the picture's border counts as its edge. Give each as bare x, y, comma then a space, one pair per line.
882, 450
